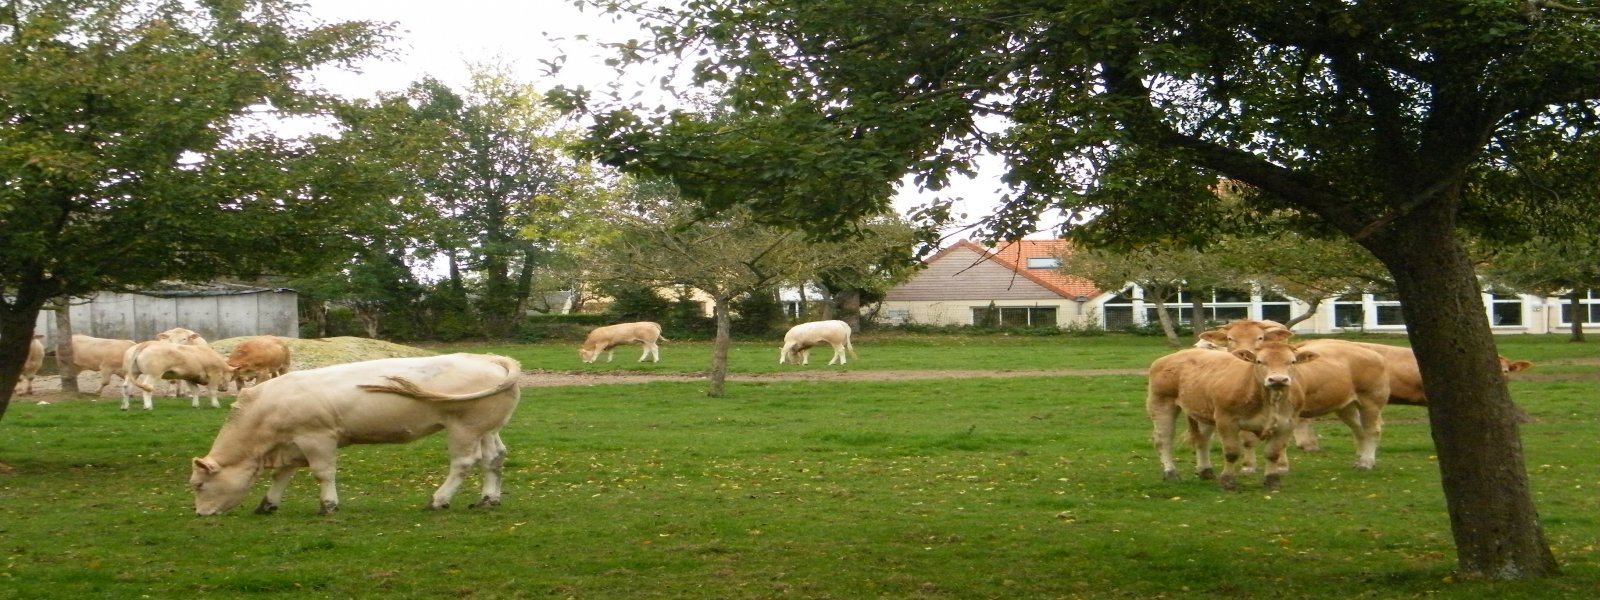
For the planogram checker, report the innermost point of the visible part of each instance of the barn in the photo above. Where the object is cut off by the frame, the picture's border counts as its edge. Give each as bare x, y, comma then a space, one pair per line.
215, 310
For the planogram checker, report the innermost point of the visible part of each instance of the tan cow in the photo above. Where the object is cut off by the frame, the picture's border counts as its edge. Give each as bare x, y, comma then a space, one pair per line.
1231, 393
99, 354
1405, 378
182, 337
198, 365
302, 418
258, 359
30, 365
606, 339
800, 339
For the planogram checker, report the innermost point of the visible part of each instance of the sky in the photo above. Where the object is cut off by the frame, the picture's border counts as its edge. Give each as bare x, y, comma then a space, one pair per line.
440, 39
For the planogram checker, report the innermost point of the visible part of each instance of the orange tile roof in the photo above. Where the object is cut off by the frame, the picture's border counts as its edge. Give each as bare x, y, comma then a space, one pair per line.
1014, 256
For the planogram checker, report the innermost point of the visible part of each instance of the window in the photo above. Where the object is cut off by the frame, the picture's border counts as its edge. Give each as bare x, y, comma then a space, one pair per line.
1275, 308
1014, 316
1387, 307
1588, 308
1118, 311
1348, 312
1505, 310
1043, 262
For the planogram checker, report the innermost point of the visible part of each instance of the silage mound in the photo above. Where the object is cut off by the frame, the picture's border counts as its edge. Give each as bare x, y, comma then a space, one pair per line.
312, 354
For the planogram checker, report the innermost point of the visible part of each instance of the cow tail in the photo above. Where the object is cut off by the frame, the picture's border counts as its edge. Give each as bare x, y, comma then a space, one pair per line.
406, 387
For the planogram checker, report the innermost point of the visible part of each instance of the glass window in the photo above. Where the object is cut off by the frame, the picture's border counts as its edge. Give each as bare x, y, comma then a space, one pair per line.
1043, 262
1505, 310
1118, 317
1229, 313
1390, 314
1348, 312
1276, 312
1014, 316
1232, 296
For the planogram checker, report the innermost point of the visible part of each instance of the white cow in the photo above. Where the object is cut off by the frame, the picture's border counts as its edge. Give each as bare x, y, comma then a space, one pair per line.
99, 354
801, 338
35, 359
302, 418
606, 339
198, 365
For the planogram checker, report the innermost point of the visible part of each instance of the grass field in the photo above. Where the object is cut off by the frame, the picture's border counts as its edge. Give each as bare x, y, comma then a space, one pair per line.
1017, 487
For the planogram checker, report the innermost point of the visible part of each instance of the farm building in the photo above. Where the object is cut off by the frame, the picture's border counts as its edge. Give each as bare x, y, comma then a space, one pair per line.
1018, 285
215, 310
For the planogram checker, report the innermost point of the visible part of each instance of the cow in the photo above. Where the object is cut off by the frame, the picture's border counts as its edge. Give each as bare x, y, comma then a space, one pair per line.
606, 339
1240, 333
302, 418
182, 337
1234, 392
99, 354
797, 343
30, 365
258, 359
1405, 378
198, 365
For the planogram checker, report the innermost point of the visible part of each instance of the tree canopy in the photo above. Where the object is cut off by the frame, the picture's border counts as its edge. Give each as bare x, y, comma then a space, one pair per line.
1385, 122
128, 151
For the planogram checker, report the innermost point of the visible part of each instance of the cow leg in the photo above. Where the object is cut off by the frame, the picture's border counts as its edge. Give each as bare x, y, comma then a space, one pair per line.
494, 453
805, 356
1366, 426
1200, 439
1164, 417
466, 451
1305, 436
213, 388
1232, 451
1277, 457
610, 352
194, 395
838, 354
280, 482
322, 457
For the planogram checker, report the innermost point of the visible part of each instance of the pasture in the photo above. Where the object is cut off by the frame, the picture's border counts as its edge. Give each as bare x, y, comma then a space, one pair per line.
1024, 486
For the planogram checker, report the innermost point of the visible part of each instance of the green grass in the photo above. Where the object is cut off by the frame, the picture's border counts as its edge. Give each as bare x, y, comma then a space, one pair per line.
1026, 487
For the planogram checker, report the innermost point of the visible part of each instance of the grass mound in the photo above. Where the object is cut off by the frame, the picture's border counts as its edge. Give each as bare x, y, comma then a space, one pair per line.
312, 354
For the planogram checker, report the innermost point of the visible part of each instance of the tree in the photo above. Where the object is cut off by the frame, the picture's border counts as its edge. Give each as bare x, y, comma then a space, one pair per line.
1160, 273
511, 192
1309, 269
1550, 267
128, 157
663, 241
1378, 121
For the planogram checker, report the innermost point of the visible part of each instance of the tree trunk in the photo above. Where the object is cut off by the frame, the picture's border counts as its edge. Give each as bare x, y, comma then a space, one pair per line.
1580, 313
719, 347
1316, 303
1165, 319
1197, 313
1475, 431
65, 363
16, 336
847, 305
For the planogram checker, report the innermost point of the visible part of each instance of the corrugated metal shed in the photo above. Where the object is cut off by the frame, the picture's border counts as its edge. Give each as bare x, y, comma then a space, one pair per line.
215, 310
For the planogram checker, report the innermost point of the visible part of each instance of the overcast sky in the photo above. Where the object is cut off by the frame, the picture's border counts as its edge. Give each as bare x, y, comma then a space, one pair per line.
442, 38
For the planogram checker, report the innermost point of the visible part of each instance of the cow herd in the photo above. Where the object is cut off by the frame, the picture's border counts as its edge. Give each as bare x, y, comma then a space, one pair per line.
1243, 382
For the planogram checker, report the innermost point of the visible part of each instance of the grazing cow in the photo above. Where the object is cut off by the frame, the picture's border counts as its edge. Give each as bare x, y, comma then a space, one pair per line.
302, 418
99, 354
801, 338
606, 339
1242, 333
1256, 391
30, 365
258, 359
198, 365
183, 337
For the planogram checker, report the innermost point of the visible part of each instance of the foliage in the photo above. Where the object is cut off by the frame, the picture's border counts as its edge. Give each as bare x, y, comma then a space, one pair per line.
756, 313
136, 145
631, 301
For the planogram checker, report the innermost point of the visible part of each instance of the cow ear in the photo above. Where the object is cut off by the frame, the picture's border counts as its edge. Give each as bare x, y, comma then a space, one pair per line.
1215, 337
1245, 355
1276, 335
1519, 365
207, 465
1306, 356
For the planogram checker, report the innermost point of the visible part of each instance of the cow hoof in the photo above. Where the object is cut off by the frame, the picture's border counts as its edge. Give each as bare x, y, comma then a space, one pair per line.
433, 507
1363, 467
1171, 476
266, 508
1207, 474
329, 508
1273, 482
486, 502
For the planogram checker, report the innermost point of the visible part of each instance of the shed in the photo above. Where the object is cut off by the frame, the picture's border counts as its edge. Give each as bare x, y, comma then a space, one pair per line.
214, 310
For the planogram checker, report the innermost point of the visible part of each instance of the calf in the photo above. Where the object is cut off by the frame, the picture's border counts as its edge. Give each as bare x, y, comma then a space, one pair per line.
797, 343
258, 359
99, 354
200, 366
1231, 393
302, 418
606, 339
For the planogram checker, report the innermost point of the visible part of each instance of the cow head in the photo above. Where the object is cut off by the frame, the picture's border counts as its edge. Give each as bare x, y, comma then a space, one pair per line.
1275, 362
1511, 366
218, 488
587, 354
1246, 334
